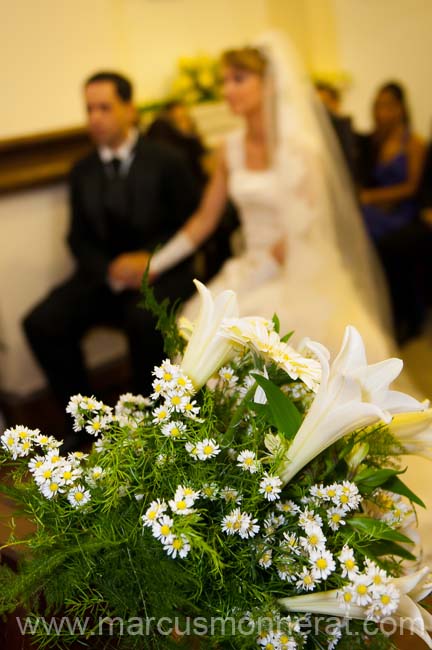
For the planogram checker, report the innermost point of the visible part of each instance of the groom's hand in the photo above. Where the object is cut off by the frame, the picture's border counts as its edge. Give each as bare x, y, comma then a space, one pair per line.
127, 269
278, 251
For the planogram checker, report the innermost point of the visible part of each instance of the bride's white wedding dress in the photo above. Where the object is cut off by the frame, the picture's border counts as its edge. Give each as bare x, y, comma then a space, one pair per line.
313, 293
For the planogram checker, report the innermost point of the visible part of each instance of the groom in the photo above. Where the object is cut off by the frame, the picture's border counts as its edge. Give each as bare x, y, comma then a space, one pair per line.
129, 195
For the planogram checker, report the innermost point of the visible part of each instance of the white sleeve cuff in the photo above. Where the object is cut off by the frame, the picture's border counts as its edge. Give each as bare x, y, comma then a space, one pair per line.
177, 249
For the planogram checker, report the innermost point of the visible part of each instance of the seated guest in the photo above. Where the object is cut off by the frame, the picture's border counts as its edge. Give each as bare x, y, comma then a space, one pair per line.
396, 157
331, 99
130, 194
394, 166
175, 126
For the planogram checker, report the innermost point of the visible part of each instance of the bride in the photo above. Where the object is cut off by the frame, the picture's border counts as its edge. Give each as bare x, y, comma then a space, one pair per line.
306, 255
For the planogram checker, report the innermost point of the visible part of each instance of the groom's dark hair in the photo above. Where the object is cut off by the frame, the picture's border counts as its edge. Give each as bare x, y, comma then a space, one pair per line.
122, 85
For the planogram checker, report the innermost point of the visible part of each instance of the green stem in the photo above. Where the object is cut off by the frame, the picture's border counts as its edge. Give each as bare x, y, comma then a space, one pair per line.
238, 415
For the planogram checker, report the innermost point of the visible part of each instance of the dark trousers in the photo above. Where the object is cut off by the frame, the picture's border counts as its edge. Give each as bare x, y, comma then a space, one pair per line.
405, 255
55, 327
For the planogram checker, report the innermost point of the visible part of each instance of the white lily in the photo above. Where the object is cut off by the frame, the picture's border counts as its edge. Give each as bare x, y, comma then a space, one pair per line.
207, 350
414, 432
409, 614
351, 395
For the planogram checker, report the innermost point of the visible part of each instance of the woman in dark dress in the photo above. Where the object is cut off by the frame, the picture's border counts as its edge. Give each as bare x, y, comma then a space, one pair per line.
390, 207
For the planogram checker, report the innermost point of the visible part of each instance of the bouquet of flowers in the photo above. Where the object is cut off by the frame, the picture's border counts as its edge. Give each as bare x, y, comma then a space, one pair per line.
197, 80
254, 500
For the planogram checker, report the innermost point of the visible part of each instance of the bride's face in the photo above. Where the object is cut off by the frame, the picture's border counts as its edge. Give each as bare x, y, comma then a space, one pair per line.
242, 89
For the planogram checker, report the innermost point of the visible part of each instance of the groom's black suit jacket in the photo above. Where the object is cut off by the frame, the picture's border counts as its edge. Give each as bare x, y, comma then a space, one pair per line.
160, 193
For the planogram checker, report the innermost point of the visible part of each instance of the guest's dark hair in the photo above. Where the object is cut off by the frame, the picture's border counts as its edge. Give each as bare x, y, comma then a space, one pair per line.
326, 87
398, 92
121, 83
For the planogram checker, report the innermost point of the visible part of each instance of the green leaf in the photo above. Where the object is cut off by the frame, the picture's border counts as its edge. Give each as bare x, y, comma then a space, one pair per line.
284, 415
373, 478
378, 549
276, 323
377, 529
287, 336
394, 484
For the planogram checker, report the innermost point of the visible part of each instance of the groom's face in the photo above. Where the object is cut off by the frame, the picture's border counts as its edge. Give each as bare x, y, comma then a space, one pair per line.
242, 89
109, 117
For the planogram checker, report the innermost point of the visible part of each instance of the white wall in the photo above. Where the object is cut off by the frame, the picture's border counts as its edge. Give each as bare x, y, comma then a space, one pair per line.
381, 40
51, 46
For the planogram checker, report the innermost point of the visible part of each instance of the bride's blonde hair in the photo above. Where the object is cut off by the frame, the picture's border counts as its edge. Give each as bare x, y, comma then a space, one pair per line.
250, 59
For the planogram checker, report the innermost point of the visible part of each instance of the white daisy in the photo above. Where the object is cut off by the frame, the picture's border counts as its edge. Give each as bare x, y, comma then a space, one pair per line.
95, 474
290, 543
163, 529
307, 517
207, 448
78, 496
348, 563
322, 563
335, 517
186, 492
247, 461
362, 592
67, 474
35, 463
378, 577
160, 414
155, 510
73, 405
228, 376
177, 402
191, 409
287, 507
270, 487
314, 540
306, 580
97, 425
173, 429
265, 560
192, 449
181, 505
50, 489
347, 496
177, 546
386, 601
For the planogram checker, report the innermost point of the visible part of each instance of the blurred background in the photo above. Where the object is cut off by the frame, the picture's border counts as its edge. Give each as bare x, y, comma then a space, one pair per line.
49, 47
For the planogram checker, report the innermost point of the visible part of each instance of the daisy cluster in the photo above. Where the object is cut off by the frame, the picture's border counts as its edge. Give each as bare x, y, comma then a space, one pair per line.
371, 589
260, 336
176, 390
21, 441
294, 538
131, 410
90, 414
286, 635
53, 474
228, 378
162, 517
